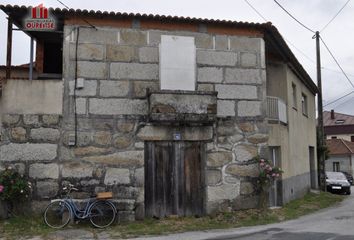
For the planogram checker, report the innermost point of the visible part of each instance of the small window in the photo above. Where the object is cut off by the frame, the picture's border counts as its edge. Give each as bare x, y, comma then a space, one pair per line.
177, 63
294, 95
336, 167
352, 138
304, 104
334, 137
340, 121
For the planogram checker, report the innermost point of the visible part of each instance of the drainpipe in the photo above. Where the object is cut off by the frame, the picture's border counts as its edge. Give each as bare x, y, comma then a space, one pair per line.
31, 60
9, 48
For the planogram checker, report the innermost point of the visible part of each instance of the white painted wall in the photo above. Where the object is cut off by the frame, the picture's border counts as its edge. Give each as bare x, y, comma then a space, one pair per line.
345, 163
32, 97
177, 63
346, 137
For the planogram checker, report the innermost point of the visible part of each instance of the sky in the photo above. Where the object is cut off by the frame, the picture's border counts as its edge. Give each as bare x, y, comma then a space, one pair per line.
315, 14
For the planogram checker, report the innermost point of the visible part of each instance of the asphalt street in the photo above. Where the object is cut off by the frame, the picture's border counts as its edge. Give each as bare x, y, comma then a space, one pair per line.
336, 223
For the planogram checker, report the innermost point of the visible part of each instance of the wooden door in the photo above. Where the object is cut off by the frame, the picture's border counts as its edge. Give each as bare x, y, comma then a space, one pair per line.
174, 179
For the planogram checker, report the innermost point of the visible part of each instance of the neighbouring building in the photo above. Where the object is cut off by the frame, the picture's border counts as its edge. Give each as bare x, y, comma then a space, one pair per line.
167, 112
341, 155
338, 125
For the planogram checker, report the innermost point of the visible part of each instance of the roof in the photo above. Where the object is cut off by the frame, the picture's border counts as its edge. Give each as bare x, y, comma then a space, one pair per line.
271, 33
344, 119
340, 129
340, 147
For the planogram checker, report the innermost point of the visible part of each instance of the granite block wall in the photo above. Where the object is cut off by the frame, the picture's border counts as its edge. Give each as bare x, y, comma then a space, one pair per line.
111, 121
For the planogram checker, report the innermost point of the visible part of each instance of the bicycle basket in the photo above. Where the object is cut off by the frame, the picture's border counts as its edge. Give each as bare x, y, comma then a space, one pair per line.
104, 195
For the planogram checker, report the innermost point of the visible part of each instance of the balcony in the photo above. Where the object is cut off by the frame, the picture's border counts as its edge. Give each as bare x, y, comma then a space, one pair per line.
182, 106
276, 110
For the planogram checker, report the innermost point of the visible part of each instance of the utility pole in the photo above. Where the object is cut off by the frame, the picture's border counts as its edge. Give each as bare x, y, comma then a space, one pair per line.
320, 130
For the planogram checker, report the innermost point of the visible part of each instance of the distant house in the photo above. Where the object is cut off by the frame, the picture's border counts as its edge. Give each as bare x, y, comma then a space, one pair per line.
341, 156
338, 125
17, 72
167, 112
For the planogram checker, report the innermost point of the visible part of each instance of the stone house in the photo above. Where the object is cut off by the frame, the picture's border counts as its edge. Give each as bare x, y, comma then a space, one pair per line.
167, 112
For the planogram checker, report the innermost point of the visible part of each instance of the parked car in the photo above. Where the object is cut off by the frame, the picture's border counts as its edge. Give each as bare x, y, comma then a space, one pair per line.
349, 177
337, 182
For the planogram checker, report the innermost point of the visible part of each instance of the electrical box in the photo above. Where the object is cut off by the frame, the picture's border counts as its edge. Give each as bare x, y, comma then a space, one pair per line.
177, 137
71, 140
80, 83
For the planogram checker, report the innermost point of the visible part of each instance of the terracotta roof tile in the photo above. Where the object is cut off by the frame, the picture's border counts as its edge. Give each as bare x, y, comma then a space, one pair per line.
340, 146
267, 28
328, 121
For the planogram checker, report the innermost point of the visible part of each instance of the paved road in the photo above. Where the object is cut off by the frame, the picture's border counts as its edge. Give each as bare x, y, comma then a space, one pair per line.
335, 223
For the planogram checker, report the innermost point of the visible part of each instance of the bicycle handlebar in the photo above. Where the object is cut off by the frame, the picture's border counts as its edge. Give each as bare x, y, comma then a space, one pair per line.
70, 187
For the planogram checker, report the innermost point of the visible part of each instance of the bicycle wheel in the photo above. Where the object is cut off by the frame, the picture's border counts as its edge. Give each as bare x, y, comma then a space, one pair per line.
102, 214
57, 214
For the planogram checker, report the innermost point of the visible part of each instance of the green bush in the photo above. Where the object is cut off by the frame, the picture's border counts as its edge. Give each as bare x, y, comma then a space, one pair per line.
13, 186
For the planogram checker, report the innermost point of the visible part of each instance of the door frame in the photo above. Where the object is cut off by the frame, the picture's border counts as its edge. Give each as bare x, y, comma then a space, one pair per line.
276, 190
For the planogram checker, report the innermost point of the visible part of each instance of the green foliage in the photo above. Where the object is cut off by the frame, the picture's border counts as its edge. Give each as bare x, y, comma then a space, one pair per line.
267, 172
322, 149
13, 186
310, 203
26, 226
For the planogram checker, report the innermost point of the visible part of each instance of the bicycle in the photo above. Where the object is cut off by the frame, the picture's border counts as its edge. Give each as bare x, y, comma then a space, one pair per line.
100, 210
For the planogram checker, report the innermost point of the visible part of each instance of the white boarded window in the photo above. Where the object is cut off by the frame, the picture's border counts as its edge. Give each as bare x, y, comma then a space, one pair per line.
177, 63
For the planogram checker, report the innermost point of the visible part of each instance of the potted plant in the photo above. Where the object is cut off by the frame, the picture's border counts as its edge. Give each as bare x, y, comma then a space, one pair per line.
14, 189
268, 173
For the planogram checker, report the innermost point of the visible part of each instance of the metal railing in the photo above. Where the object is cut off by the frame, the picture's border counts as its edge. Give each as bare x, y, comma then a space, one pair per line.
276, 109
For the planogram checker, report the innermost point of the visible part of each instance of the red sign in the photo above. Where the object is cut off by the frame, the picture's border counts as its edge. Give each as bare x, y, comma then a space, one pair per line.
39, 20
39, 12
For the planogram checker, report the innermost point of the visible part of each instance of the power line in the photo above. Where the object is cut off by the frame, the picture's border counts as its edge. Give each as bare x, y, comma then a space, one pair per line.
83, 19
303, 25
336, 62
335, 71
345, 102
340, 10
259, 14
305, 55
336, 100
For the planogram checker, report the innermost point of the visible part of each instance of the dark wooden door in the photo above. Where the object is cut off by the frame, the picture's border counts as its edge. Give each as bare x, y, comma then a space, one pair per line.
174, 179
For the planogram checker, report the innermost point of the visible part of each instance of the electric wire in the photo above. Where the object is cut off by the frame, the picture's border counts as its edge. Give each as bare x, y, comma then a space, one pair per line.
340, 10
259, 14
75, 86
300, 51
335, 71
351, 83
336, 100
343, 103
303, 25
83, 19
309, 58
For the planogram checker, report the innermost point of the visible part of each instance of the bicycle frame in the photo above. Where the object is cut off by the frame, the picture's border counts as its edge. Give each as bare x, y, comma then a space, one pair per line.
60, 211
75, 211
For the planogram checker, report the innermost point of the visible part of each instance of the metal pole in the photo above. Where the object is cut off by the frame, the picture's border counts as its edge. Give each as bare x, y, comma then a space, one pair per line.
31, 61
9, 48
320, 130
